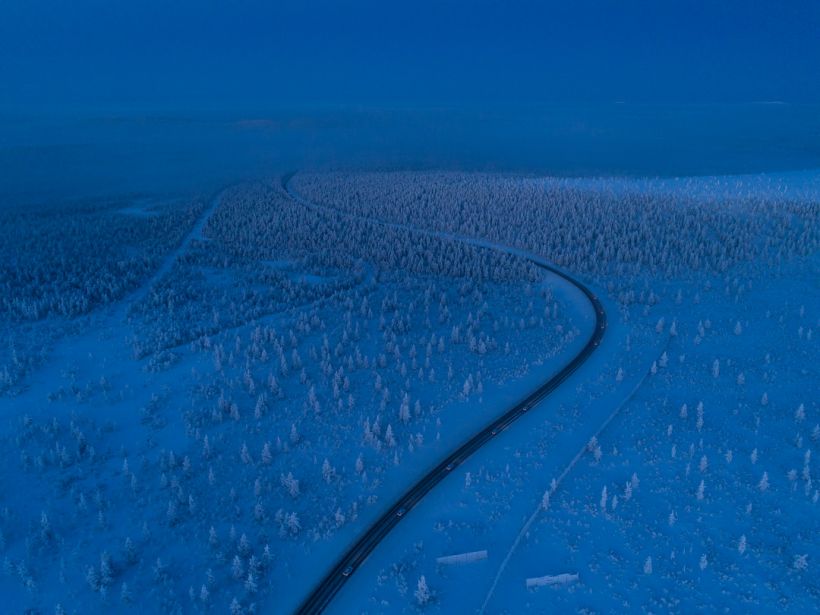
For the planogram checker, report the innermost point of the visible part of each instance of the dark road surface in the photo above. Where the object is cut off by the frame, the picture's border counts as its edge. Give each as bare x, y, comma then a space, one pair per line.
327, 588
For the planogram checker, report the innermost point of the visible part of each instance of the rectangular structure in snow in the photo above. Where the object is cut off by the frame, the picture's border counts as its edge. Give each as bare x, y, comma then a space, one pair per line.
559, 579
462, 558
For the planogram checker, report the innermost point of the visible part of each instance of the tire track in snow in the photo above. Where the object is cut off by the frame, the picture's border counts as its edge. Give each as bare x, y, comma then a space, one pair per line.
557, 483
170, 260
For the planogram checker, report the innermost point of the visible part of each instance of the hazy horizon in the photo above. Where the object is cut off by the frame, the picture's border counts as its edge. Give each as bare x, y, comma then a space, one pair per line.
48, 158
102, 98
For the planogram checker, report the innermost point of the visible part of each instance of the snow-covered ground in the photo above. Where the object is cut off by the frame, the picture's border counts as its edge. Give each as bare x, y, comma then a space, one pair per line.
666, 516
667, 508
240, 418
211, 435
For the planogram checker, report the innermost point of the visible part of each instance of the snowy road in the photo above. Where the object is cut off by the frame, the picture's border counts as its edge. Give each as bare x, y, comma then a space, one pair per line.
359, 551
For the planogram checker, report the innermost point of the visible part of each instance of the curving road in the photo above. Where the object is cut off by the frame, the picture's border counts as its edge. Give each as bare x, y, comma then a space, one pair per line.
324, 592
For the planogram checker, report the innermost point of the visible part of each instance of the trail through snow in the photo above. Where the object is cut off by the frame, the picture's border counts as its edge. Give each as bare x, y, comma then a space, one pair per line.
554, 486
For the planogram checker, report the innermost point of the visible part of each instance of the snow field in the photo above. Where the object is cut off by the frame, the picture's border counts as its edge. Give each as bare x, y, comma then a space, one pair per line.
266, 399
732, 308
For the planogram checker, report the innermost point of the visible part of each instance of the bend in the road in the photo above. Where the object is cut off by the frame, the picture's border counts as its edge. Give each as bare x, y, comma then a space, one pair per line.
361, 549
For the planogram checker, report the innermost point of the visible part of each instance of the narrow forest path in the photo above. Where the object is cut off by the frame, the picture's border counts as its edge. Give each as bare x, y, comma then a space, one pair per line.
136, 295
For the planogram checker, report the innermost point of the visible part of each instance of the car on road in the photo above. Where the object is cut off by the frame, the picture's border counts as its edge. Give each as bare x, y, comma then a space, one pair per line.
347, 571
450, 466
400, 512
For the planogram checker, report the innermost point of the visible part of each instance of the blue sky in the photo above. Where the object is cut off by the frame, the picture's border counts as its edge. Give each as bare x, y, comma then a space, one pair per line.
98, 54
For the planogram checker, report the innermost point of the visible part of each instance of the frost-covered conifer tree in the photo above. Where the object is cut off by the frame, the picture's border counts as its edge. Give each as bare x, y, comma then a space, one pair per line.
237, 569
250, 584
422, 592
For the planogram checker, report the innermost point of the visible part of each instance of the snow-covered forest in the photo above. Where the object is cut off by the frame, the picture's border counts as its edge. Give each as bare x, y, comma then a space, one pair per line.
231, 425
422, 308
59, 262
694, 430
206, 401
